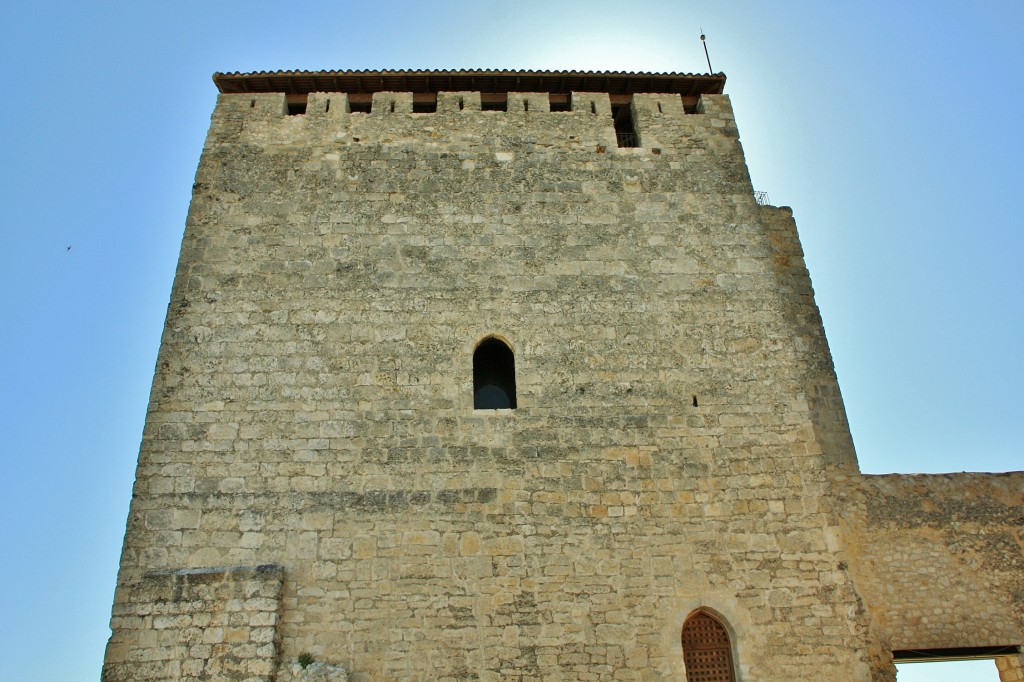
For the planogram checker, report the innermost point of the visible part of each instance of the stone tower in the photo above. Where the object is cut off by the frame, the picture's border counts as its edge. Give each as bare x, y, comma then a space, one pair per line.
501, 375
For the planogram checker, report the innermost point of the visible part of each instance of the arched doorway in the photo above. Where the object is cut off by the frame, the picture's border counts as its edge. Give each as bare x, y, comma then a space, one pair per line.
707, 651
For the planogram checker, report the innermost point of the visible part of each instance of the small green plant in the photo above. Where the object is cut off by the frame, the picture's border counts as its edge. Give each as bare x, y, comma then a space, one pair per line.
305, 659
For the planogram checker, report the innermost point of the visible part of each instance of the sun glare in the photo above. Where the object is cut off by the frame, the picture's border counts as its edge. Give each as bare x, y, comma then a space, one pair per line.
618, 53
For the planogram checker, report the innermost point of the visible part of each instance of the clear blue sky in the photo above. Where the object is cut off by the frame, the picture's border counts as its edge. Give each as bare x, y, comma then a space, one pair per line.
892, 129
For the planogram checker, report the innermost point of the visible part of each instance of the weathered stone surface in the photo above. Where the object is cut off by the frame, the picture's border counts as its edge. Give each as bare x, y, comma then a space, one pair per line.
938, 557
679, 442
196, 624
318, 672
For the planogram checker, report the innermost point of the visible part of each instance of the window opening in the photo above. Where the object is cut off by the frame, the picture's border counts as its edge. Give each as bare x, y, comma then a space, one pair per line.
252, 104
360, 107
327, 107
593, 107
296, 108
461, 104
707, 651
659, 108
494, 376
392, 106
625, 133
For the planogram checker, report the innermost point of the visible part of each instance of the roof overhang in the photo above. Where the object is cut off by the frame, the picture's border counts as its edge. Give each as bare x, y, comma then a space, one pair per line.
479, 80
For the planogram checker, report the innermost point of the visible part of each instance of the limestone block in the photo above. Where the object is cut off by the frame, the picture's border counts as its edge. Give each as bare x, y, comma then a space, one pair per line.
392, 103
526, 102
450, 102
327, 105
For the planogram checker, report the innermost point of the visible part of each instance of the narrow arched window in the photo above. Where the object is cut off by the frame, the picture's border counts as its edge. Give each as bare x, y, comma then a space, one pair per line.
494, 376
707, 652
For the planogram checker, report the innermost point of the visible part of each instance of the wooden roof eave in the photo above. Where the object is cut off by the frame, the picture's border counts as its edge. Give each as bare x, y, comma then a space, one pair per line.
428, 81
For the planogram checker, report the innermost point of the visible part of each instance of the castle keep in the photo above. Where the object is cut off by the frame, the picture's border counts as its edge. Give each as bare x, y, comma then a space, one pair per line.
497, 375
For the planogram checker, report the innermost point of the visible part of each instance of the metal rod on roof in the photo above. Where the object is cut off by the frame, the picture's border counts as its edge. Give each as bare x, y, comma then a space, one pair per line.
710, 70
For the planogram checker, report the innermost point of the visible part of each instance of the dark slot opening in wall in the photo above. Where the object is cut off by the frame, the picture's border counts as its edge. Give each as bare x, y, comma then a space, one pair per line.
689, 104
424, 103
360, 102
494, 101
625, 132
296, 104
559, 102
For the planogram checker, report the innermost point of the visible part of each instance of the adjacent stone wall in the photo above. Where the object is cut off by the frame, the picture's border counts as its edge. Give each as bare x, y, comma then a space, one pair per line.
938, 558
212, 624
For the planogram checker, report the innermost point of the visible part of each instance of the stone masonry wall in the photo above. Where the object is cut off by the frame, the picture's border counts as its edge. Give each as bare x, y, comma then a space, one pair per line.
678, 419
939, 559
191, 625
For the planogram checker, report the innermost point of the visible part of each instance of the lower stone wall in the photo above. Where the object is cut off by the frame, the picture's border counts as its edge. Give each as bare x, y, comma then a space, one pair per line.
196, 624
938, 559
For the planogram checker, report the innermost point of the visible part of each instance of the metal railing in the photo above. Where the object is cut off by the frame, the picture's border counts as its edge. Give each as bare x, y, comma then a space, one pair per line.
762, 198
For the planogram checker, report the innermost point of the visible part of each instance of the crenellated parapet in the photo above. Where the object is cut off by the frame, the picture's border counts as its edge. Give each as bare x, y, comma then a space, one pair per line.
618, 118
